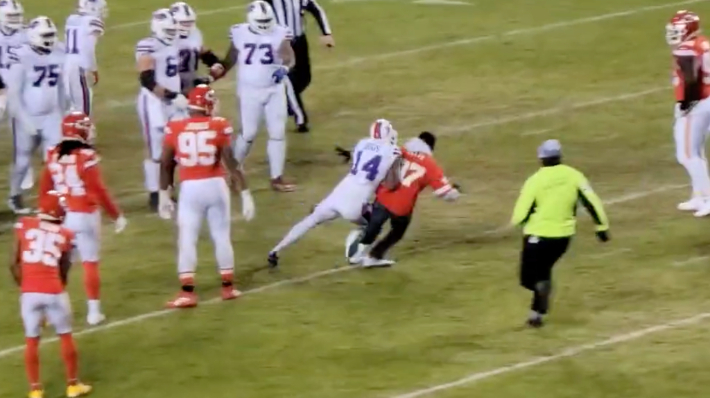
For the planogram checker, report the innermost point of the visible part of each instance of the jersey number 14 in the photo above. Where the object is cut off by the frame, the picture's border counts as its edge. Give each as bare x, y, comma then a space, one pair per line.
370, 168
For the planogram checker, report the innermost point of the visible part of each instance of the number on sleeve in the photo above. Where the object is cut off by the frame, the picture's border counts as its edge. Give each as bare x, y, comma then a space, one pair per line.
196, 148
171, 66
371, 167
43, 247
411, 172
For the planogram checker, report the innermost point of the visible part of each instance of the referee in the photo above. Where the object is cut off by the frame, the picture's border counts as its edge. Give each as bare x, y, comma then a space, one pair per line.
291, 13
546, 209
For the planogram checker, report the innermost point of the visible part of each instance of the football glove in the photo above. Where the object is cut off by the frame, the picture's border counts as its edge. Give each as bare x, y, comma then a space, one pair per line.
343, 153
248, 208
120, 224
166, 206
279, 74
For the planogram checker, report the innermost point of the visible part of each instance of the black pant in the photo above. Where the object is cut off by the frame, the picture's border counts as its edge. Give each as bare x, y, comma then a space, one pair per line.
537, 258
378, 218
299, 76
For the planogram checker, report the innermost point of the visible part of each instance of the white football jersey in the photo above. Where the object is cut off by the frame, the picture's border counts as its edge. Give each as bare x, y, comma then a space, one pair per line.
371, 160
9, 43
190, 48
39, 78
166, 59
80, 40
258, 54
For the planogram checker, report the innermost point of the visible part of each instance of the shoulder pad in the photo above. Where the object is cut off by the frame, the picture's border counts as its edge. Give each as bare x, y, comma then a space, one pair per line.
145, 46
97, 25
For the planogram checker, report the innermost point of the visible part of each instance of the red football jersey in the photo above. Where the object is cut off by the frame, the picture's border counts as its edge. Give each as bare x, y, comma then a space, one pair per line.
42, 245
195, 141
77, 177
419, 171
698, 48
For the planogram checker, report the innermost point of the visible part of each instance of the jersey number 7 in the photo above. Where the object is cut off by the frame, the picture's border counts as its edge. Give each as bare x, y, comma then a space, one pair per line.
411, 172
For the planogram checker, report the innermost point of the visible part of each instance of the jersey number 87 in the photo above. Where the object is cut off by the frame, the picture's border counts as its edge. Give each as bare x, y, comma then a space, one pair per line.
196, 149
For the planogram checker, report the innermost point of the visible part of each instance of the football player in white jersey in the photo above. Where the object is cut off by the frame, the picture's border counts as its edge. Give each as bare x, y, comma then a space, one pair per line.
159, 100
12, 36
376, 160
81, 33
191, 47
263, 50
36, 99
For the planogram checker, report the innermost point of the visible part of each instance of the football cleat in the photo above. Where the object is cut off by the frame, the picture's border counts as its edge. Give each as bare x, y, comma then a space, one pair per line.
95, 318
36, 394
369, 262
273, 260
351, 243
17, 205
153, 201
78, 390
703, 210
693, 204
183, 300
278, 185
230, 293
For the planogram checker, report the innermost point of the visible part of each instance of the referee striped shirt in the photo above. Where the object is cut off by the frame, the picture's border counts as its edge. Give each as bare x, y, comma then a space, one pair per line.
291, 13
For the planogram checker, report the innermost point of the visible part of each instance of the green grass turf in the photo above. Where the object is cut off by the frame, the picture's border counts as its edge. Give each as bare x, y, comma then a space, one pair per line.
493, 78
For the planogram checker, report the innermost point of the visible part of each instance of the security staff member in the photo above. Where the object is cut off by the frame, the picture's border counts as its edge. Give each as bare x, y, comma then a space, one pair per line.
546, 209
291, 13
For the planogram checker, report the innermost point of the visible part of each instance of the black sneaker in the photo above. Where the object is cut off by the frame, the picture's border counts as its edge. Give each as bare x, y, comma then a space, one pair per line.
17, 205
535, 322
273, 260
153, 200
303, 128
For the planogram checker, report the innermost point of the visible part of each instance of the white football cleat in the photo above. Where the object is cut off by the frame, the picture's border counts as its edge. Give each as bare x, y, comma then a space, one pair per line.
95, 318
369, 262
693, 204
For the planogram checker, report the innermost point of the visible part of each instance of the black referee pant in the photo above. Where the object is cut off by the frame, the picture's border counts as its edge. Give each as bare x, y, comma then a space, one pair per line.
537, 258
299, 79
380, 215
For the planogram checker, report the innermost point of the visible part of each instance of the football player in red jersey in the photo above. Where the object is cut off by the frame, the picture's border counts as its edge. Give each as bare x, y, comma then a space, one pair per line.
419, 171
40, 264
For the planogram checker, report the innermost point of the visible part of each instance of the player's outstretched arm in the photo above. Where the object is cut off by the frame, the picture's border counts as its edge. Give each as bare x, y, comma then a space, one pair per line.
227, 63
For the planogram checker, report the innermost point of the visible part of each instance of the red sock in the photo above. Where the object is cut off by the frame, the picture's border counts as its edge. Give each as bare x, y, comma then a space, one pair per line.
70, 357
32, 362
227, 277
92, 281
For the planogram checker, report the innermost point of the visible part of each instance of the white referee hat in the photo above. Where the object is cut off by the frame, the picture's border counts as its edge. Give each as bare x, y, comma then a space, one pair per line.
549, 149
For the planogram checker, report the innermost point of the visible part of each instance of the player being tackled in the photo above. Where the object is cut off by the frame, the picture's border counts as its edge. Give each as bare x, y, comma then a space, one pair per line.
40, 265
199, 147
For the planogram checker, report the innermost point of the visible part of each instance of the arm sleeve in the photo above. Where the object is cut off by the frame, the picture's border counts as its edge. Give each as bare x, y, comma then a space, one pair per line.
525, 205
90, 48
593, 204
318, 13
438, 181
95, 183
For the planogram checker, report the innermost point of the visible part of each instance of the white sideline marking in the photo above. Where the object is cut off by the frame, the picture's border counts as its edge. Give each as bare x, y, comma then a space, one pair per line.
537, 132
139, 318
200, 13
442, 2
691, 260
567, 353
455, 43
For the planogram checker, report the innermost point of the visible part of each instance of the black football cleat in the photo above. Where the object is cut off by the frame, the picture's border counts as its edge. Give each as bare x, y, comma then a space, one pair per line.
273, 260
535, 322
303, 128
153, 200
17, 205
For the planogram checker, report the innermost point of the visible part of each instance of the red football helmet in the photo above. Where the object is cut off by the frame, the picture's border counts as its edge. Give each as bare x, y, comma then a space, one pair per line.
77, 126
202, 98
684, 26
51, 206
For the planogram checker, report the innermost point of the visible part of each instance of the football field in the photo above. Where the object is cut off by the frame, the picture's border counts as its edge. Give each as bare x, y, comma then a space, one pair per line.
493, 78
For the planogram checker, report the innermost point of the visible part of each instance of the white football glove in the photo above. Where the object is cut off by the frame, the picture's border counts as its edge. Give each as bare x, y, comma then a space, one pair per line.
120, 224
180, 102
248, 208
166, 206
452, 195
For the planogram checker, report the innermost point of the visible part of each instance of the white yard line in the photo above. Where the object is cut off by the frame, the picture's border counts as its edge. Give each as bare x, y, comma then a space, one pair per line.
690, 261
609, 253
199, 13
291, 281
567, 353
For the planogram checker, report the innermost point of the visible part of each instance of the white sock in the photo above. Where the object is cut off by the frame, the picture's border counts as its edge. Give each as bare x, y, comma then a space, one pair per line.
297, 232
94, 306
276, 149
241, 149
152, 175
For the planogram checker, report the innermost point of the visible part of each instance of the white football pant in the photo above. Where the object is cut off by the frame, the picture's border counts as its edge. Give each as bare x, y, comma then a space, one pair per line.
78, 88
49, 134
87, 227
35, 307
269, 104
154, 115
200, 199
690, 132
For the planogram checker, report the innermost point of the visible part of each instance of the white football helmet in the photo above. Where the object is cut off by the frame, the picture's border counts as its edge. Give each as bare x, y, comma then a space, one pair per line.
163, 26
96, 8
12, 15
185, 16
42, 33
382, 129
260, 16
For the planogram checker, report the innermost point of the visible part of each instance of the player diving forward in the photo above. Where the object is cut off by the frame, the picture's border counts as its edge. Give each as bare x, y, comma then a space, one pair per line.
157, 59
376, 160
72, 169
36, 99
691, 80
191, 47
81, 33
40, 264
263, 50
12, 37
200, 147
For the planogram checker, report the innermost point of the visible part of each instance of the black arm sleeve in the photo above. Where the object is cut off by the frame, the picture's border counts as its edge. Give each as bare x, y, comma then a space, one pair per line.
208, 58
147, 78
319, 14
